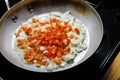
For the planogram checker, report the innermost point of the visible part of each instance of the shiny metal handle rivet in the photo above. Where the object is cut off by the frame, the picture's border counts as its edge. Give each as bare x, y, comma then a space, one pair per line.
30, 9
14, 19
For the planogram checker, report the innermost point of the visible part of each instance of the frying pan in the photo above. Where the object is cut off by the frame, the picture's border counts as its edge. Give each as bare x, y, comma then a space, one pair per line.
25, 9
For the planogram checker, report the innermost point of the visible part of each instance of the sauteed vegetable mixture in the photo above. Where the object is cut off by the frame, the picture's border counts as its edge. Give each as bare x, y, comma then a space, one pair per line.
52, 39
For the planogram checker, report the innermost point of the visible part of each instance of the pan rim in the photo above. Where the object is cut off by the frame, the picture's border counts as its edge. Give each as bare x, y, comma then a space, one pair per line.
2, 19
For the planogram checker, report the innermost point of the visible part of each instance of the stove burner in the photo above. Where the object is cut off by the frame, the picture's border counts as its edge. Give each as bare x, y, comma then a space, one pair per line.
117, 16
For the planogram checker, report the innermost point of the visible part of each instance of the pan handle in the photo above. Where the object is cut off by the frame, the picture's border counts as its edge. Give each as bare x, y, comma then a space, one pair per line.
7, 4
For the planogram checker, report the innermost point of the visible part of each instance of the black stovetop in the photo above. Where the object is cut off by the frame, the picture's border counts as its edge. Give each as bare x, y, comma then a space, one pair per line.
93, 68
